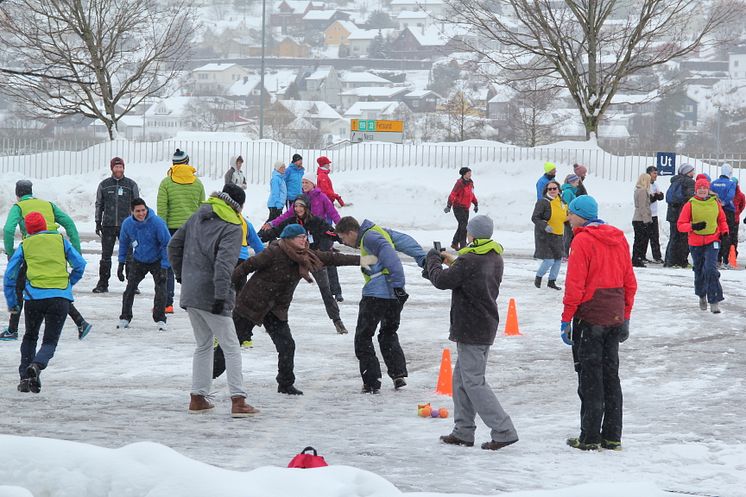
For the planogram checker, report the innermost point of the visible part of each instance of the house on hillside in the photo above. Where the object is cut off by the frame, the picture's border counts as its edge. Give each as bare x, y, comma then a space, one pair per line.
322, 84
249, 93
319, 20
379, 110
129, 127
422, 100
288, 14
319, 114
422, 43
216, 78
290, 48
358, 79
337, 33
737, 62
500, 106
372, 94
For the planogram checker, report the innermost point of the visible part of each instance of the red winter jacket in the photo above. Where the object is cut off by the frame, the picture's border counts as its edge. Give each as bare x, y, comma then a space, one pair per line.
600, 285
739, 201
462, 194
684, 225
325, 185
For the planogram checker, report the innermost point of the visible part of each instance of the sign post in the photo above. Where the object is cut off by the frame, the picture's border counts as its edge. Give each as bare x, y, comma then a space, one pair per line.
665, 162
376, 130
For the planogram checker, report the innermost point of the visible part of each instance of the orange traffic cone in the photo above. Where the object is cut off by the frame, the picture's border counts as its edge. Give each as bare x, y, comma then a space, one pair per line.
445, 378
732, 258
511, 325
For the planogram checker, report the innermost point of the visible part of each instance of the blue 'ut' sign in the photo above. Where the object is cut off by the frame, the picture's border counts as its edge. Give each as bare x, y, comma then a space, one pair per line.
665, 162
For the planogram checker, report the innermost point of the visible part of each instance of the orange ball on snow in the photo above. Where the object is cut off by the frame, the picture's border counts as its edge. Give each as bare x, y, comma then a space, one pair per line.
426, 411
443, 412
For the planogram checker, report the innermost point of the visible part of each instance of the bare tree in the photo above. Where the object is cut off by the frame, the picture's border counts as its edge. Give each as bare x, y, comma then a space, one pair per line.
96, 58
593, 46
533, 103
460, 122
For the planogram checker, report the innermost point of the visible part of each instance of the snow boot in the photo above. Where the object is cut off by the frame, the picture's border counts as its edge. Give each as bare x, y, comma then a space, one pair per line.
370, 389
611, 445
340, 326
101, 288
575, 443
715, 308
400, 383
454, 440
34, 382
199, 404
288, 390
24, 386
537, 282
240, 409
495, 445
553, 284
703, 303
84, 329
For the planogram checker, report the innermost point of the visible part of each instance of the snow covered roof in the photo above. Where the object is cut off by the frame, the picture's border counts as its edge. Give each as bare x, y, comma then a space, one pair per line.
215, 67
322, 72
298, 6
412, 14
319, 15
431, 36
277, 81
310, 109
299, 124
375, 91
421, 94
504, 94
350, 26
171, 107
362, 77
244, 86
381, 108
368, 34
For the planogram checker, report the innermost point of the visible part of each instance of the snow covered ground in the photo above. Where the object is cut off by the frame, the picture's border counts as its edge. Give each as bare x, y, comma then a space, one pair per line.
682, 373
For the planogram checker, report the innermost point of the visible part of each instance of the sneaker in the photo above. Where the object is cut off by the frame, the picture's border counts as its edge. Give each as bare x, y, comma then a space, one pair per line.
288, 390
370, 389
715, 308
703, 303
454, 440
123, 323
161, 326
495, 445
727, 267
84, 329
610, 445
8, 335
339, 298
169, 309
575, 443
657, 261
340, 327
101, 289
34, 382
246, 344
24, 386
399, 383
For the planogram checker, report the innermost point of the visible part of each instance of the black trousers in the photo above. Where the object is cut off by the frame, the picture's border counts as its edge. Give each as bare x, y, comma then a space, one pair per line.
52, 313
109, 236
640, 245
137, 272
15, 319
273, 213
677, 252
372, 311
654, 237
462, 216
728, 241
334, 285
595, 351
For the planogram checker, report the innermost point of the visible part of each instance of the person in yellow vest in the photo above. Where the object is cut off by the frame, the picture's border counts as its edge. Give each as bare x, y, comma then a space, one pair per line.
703, 218
47, 291
54, 217
550, 214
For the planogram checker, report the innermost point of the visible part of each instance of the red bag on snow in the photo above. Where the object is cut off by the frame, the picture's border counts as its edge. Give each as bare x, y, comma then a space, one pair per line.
304, 460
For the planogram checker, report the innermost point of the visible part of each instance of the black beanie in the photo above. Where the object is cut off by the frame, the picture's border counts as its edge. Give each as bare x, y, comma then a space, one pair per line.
235, 192
296, 158
463, 171
23, 187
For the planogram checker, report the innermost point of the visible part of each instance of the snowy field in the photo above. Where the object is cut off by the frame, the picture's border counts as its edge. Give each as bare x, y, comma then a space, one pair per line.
682, 373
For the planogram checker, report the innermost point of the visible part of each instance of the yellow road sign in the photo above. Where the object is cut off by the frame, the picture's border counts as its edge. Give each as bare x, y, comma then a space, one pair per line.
377, 125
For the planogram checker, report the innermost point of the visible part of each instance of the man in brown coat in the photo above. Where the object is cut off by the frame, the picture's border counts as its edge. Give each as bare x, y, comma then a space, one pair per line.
266, 297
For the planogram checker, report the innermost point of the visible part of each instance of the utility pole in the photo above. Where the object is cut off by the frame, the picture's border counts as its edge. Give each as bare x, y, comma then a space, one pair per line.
261, 79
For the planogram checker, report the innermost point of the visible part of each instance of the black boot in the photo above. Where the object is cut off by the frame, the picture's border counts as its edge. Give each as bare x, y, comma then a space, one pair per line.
34, 373
289, 390
537, 282
553, 284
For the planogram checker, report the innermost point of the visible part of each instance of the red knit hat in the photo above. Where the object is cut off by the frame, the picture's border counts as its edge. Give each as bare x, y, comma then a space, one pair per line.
701, 183
115, 161
34, 222
323, 161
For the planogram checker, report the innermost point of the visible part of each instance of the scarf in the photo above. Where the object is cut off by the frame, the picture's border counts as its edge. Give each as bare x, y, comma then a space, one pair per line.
307, 261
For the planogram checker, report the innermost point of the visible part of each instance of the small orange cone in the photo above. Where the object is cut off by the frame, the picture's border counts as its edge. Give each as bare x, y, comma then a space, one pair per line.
445, 378
732, 258
511, 325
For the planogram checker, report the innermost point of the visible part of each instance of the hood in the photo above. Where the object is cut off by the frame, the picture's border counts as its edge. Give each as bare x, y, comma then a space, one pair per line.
364, 226
233, 161
217, 207
604, 233
183, 174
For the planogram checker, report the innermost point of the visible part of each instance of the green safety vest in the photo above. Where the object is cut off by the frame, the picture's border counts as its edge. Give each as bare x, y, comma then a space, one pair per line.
46, 264
37, 205
367, 277
707, 211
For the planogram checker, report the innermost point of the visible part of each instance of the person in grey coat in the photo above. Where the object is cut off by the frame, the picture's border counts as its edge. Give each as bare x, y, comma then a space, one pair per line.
474, 278
203, 253
642, 220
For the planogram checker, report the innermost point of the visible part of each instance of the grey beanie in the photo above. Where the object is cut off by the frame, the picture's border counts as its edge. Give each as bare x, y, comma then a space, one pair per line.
686, 168
23, 188
480, 227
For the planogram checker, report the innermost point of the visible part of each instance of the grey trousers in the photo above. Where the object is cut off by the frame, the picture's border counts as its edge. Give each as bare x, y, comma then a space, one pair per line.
206, 326
472, 395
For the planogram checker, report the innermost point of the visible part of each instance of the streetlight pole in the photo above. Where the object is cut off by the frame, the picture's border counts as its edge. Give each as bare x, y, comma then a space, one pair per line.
261, 79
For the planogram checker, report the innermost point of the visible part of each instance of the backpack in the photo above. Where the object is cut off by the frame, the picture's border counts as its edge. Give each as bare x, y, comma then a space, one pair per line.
306, 461
675, 194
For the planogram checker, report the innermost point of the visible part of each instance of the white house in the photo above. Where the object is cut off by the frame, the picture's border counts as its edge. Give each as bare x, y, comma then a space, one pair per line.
216, 78
320, 114
737, 63
413, 18
372, 94
377, 110
357, 79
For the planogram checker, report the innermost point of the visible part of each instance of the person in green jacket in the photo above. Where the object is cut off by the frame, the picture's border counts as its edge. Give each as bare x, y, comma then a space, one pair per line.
179, 196
55, 217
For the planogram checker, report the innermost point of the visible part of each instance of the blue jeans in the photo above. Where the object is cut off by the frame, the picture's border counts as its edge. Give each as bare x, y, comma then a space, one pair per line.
706, 274
545, 266
52, 312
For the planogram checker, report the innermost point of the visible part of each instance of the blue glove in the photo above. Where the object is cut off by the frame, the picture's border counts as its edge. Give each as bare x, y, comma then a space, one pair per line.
566, 332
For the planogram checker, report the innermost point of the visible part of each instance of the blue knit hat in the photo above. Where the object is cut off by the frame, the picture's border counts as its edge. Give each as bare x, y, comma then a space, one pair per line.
292, 230
585, 206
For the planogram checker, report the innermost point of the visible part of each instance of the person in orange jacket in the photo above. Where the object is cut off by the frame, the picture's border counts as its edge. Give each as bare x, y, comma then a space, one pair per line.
323, 181
703, 218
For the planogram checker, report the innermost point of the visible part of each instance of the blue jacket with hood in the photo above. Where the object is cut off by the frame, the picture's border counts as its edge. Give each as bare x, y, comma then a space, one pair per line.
148, 238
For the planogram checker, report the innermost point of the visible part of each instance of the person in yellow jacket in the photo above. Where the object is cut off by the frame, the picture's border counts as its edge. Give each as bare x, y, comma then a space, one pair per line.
550, 214
179, 196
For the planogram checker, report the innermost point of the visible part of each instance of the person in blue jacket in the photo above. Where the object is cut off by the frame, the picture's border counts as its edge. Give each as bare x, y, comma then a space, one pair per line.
725, 189
47, 292
148, 236
550, 171
278, 191
384, 296
293, 179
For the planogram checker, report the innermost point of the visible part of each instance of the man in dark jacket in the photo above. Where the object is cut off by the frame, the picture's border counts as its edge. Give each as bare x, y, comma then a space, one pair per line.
113, 200
677, 250
203, 253
147, 235
265, 298
474, 277
599, 294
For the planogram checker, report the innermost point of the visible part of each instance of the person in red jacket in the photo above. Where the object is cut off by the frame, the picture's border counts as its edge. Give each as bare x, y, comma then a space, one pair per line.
599, 293
324, 183
461, 198
703, 218
740, 202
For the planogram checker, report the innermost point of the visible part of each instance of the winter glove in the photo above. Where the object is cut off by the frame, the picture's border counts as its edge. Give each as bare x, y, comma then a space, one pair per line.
699, 226
624, 331
120, 271
566, 332
98, 228
659, 196
448, 209
366, 261
476, 208
548, 228
724, 236
333, 236
217, 306
401, 295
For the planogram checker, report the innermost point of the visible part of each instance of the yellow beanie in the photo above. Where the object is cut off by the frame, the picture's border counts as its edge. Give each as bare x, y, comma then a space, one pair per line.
548, 166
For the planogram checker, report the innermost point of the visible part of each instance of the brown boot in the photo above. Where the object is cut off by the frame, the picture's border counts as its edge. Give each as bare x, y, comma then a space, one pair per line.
241, 409
199, 404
